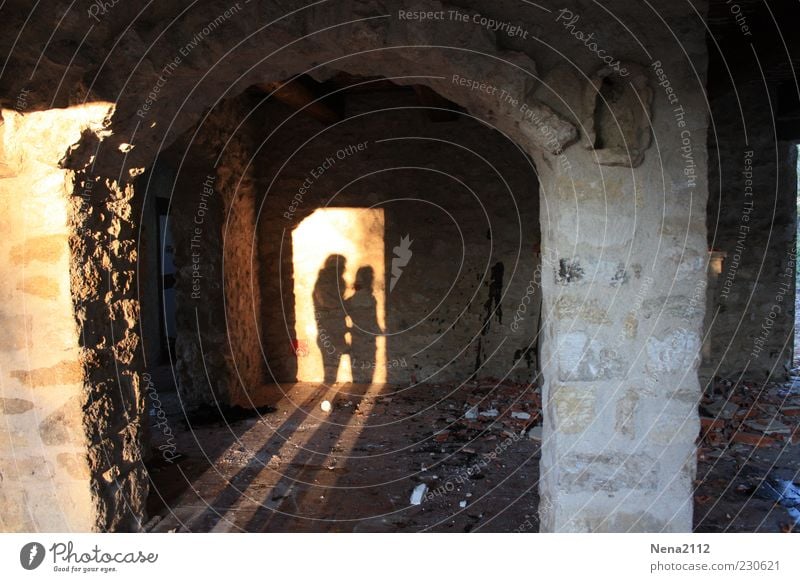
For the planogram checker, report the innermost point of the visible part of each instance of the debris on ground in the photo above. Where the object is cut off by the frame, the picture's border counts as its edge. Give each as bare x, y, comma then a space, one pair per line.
418, 494
749, 413
498, 408
749, 456
535, 433
785, 493
271, 475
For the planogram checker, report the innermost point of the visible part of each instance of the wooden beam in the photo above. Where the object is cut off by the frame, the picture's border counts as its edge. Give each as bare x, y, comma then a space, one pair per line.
298, 96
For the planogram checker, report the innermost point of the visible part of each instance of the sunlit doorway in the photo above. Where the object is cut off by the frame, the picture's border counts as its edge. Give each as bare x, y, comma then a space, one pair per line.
340, 297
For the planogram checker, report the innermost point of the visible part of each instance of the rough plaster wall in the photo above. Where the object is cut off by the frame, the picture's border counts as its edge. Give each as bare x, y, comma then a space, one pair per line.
752, 219
70, 456
103, 277
473, 223
212, 217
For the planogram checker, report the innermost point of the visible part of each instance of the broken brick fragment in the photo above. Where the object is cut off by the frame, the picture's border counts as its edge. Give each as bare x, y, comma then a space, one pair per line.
712, 423
752, 439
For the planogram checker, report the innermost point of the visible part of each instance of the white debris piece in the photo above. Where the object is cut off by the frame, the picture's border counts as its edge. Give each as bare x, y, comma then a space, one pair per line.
418, 494
471, 414
491, 413
535, 433
325, 406
520, 415
462, 504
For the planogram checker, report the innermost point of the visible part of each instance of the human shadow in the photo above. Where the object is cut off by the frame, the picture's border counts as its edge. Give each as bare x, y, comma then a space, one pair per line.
330, 315
362, 308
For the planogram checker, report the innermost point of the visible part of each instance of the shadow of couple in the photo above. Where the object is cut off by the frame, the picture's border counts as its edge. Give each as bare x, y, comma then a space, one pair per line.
334, 304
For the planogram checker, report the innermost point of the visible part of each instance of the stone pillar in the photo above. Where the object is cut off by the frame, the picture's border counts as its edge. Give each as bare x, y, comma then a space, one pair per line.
236, 183
195, 218
213, 220
69, 398
624, 276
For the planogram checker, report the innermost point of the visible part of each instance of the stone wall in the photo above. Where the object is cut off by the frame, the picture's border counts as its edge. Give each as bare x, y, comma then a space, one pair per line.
69, 459
752, 218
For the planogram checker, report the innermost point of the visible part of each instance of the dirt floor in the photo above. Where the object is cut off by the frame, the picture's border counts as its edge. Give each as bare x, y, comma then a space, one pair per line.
356, 467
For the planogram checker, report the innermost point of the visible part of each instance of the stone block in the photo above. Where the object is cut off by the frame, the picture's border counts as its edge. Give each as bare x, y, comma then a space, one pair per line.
677, 307
630, 326
13, 438
610, 472
671, 429
14, 512
588, 310
675, 351
74, 464
583, 359
46, 249
64, 425
43, 287
589, 270
573, 408
625, 522
15, 406
64, 372
17, 332
625, 413
22, 467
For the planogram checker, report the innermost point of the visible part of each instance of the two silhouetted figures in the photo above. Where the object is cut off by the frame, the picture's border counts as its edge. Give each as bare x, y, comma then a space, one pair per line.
331, 311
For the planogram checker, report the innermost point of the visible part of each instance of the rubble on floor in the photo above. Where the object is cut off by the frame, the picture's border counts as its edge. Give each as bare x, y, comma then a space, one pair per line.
494, 408
444, 457
749, 457
750, 414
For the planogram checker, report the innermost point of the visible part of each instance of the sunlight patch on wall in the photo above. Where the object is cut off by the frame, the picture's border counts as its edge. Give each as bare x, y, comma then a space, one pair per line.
339, 290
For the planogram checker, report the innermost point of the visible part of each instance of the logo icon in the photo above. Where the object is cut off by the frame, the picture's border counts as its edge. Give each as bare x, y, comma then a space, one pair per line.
31, 555
402, 254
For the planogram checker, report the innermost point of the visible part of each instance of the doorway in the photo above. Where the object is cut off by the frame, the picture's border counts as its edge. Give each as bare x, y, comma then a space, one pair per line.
340, 296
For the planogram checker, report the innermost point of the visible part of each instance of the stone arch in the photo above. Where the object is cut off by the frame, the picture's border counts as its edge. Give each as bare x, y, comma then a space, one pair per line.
132, 138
